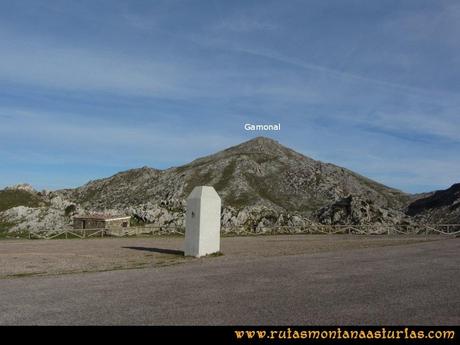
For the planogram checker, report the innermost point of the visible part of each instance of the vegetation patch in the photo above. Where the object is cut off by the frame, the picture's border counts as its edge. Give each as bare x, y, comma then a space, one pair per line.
263, 158
239, 201
198, 179
70, 209
265, 188
226, 176
89, 195
137, 221
14, 198
5, 226
4, 230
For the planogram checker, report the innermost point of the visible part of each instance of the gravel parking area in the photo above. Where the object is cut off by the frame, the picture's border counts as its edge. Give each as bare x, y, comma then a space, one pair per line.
273, 280
20, 258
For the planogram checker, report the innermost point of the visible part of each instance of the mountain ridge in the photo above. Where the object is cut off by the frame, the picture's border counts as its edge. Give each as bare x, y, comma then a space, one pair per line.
441, 206
261, 182
253, 167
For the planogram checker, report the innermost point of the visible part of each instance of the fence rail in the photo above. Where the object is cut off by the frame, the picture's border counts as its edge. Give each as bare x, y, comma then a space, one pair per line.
374, 229
378, 229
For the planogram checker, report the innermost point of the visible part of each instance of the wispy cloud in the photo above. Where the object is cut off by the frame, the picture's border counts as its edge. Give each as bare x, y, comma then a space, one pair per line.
41, 63
244, 24
71, 138
418, 174
372, 87
235, 46
443, 125
427, 24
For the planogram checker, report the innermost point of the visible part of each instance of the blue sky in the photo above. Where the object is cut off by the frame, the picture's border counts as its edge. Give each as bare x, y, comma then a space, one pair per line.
90, 88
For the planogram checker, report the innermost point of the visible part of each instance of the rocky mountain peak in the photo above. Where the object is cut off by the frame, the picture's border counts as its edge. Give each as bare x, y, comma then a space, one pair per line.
22, 187
261, 145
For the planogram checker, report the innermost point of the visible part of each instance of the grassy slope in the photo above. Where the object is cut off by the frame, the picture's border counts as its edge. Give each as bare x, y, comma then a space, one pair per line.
13, 198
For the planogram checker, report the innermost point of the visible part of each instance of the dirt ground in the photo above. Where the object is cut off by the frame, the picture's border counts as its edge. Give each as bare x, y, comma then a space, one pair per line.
21, 258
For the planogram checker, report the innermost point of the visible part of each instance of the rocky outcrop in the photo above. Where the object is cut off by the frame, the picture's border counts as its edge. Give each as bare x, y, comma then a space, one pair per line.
259, 219
359, 211
35, 219
22, 187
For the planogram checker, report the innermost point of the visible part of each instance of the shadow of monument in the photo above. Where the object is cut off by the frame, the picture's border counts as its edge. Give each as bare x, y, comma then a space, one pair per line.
158, 250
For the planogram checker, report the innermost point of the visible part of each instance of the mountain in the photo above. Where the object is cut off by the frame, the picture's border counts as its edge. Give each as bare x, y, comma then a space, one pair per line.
442, 206
257, 172
261, 183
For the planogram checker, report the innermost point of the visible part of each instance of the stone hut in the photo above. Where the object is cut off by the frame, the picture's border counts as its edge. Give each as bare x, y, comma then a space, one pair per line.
100, 222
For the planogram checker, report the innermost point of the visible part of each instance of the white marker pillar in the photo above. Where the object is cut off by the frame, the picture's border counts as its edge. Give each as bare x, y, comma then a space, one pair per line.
202, 222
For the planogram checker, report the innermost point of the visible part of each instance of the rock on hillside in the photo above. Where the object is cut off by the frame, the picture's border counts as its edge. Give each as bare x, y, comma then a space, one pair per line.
442, 206
354, 210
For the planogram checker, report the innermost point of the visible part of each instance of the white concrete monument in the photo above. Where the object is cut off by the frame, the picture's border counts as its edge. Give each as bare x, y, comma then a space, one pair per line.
202, 222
